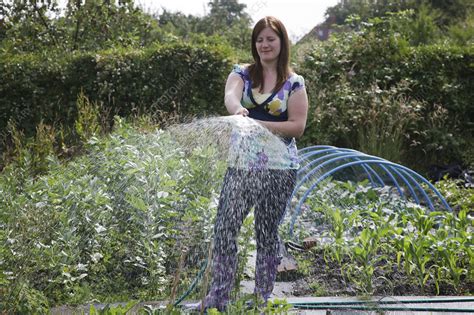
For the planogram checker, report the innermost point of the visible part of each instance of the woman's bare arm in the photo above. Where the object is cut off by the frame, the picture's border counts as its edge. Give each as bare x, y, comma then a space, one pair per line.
233, 94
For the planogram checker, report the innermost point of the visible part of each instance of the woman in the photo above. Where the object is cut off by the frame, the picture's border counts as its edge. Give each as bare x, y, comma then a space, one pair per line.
268, 92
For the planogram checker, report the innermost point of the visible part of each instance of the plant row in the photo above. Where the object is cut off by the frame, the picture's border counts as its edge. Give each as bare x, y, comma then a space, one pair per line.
379, 243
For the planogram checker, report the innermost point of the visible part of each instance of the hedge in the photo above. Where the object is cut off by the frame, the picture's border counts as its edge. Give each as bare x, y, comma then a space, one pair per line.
187, 79
350, 74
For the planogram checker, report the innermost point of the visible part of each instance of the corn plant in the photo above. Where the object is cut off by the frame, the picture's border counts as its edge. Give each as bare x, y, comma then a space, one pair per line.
370, 246
417, 244
338, 249
87, 123
453, 248
417, 256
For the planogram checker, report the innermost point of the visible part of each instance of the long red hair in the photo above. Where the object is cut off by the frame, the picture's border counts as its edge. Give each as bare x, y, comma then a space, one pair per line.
283, 67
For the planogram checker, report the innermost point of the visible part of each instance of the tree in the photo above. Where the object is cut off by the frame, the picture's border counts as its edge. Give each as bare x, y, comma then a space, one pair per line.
179, 24
29, 24
366, 9
98, 23
462, 33
83, 25
451, 11
227, 13
229, 19
422, 28
38, 25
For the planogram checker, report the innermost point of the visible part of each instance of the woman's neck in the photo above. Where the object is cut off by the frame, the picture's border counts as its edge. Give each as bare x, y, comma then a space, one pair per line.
269, 67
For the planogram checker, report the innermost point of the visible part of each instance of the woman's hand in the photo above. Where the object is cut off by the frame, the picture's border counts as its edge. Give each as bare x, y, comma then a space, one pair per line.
242, 111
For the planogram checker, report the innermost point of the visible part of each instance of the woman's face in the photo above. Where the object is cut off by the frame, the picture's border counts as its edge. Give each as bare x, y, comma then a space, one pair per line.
268, 45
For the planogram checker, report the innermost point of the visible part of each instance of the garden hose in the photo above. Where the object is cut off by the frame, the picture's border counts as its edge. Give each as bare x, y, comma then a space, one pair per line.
371, 305
295, 246
193, 284
411, 301
384, 308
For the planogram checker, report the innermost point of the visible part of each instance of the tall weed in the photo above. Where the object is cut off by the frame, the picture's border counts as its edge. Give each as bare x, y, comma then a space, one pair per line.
87, 123
384, 124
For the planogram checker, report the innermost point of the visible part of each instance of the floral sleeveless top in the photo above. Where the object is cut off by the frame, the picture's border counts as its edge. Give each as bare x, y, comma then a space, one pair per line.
254, 147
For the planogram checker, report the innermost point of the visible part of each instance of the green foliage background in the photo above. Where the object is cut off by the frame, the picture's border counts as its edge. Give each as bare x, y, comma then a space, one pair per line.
373, 87
92, 208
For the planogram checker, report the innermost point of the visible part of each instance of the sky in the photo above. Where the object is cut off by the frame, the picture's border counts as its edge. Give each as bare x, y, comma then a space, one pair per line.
299, 16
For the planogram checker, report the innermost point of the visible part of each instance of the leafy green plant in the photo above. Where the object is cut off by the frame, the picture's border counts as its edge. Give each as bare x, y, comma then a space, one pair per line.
318, 289
386, 242
417, 256
364, 252
454, 248
14, 143
249, 305
22, 298
457, 196
338, 249
112, 310
115, 216
43, 148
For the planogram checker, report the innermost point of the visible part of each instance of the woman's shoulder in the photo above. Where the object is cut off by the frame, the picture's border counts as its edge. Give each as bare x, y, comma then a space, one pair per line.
296, 80
295, 76
241, 68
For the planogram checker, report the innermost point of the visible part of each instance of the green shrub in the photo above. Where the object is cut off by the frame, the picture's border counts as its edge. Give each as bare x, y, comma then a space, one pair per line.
350, 73
456, 195
107, 224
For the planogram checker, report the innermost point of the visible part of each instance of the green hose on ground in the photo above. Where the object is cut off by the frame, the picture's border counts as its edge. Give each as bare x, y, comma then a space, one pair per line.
374, 305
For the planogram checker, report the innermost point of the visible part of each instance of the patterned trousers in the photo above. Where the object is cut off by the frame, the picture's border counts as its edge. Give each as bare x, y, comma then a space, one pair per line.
268, 192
